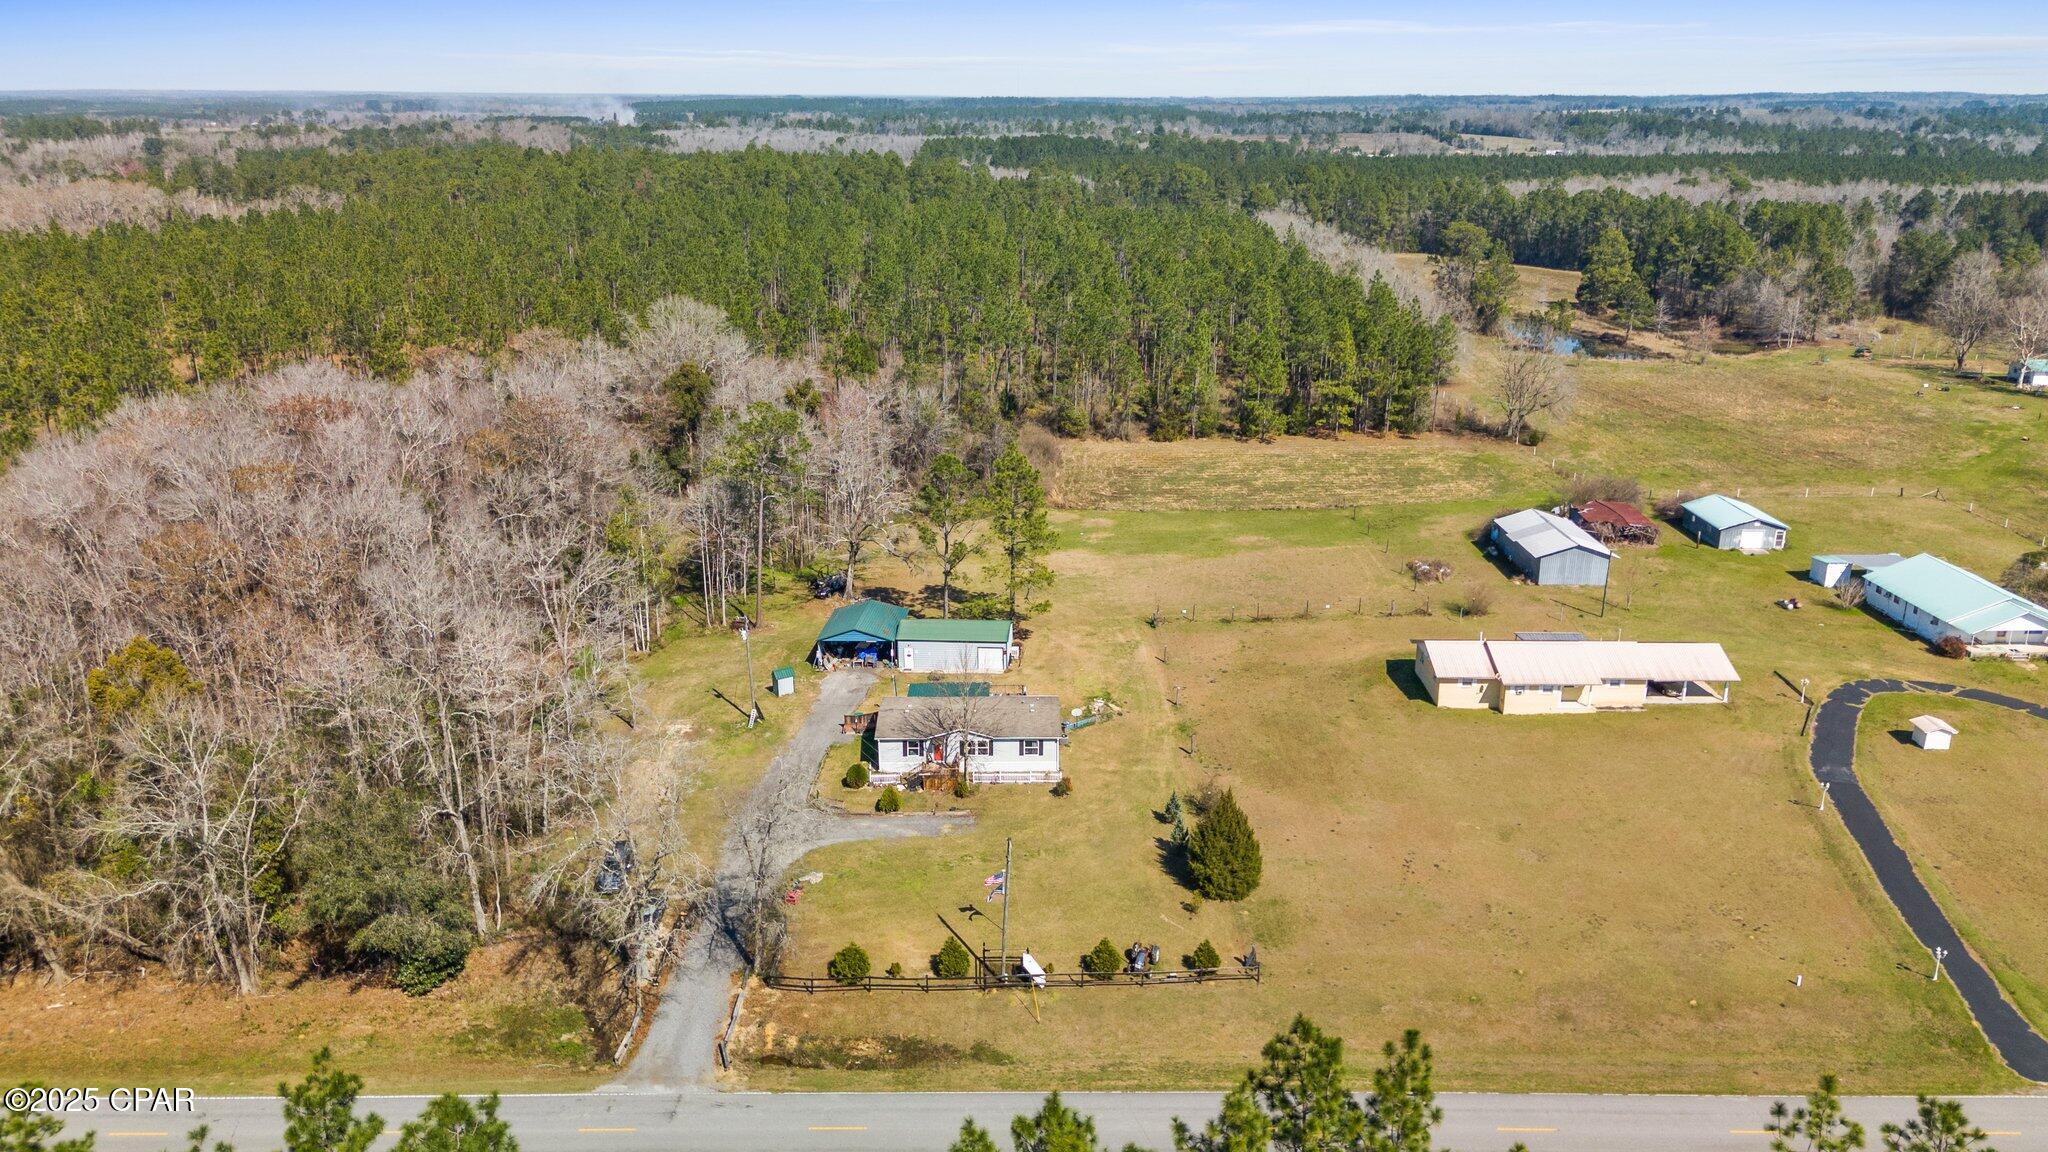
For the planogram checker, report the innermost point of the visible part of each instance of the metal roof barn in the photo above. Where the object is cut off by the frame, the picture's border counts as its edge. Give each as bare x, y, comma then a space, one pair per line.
1550, 549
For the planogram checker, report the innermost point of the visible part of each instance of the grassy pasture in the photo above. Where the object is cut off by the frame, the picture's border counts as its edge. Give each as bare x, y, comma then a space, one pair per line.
1971, 818
1615, 902
1779, 422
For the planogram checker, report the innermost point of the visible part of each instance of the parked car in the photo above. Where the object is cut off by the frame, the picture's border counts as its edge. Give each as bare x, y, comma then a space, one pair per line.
827, 586
614, 868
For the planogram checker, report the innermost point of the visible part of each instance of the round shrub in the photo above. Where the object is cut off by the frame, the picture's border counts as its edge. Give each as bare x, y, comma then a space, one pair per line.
1065, 787
953, 961
849, 966
1103, 959
1204, 958
856, 776
890, 800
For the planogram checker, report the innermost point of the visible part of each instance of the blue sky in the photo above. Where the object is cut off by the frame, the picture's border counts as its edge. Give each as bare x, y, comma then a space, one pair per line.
1056, 47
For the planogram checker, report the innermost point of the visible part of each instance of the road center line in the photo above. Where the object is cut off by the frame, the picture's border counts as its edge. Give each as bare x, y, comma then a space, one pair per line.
1506, 1128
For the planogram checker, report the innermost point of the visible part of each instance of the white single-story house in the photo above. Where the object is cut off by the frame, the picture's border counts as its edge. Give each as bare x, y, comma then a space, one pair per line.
985, 646
2029, 375
1724, 522
1932, 732
1549, 549
1830, 569
1523, 677
988, 739
1932, 598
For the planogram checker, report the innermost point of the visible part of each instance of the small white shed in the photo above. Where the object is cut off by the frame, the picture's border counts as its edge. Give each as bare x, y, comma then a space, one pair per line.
1932, 732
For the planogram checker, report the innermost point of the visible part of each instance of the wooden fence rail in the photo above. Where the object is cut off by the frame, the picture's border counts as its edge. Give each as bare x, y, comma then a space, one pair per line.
814, 984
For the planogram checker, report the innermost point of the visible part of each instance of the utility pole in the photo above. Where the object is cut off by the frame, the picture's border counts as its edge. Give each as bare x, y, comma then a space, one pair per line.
1802, 688
1009, 878
753, 689
1824, 786
1940, 954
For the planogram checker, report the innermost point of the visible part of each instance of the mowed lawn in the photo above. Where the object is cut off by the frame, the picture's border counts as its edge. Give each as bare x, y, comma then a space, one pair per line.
1618, 901
1971, 818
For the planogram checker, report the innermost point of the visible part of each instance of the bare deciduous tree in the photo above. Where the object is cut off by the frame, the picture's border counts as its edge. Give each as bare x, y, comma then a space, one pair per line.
1530, 384
1966, 306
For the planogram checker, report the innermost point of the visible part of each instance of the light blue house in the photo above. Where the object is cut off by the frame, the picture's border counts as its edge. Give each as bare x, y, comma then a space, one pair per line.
1932, 598
1724, 522
2029, 375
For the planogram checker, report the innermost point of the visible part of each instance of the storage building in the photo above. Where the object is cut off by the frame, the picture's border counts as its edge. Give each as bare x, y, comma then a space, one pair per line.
1549, 549
1725, 522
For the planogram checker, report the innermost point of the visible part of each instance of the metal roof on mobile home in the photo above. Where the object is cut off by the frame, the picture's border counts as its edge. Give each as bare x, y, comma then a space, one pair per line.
1536, 662
1955, 596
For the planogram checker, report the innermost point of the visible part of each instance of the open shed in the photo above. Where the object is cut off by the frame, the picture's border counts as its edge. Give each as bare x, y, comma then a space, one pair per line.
863, 631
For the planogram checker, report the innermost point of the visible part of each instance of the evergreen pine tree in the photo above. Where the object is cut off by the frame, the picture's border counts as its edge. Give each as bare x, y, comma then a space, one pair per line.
1223, 854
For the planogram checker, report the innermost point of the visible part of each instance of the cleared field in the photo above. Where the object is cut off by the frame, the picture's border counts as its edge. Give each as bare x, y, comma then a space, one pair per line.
1778, 422
1293, 472
1616, 902
1971, 818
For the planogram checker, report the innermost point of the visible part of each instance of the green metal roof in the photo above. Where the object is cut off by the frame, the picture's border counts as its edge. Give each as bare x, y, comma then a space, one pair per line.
784, 673
869, 620
1952, 595
1724, 512
957, 631
944, 689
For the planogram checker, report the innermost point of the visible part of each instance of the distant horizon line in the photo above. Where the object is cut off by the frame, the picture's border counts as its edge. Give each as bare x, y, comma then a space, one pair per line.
1100, 97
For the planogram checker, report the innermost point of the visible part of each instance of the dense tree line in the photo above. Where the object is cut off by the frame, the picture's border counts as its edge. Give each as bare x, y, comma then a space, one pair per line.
1776, 266
1014, 295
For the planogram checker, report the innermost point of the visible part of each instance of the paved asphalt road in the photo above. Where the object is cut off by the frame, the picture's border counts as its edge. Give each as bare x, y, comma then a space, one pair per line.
1833, 757
916, 1122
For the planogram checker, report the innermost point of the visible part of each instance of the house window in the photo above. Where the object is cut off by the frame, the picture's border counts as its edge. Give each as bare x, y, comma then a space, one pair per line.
1611, 683
913, 747
976, 746
1779, 539
1030, 747
1465, 683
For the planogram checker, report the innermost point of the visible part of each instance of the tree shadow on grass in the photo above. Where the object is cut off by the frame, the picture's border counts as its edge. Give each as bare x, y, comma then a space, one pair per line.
1173, 859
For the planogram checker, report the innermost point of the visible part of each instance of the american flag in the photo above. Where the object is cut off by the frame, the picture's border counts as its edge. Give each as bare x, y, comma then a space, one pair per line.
997, 885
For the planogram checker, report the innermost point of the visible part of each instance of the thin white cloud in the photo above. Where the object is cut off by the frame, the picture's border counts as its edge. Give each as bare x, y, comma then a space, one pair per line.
1374, 27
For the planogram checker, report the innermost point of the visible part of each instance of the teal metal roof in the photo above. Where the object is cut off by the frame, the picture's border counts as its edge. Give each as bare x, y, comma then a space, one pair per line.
956, 631
1955, 596
784, 673
1724, 512
869, 620
945, 689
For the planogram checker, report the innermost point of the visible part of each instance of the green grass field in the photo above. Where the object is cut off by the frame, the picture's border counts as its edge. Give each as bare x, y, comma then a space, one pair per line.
1971, 817
1617, 901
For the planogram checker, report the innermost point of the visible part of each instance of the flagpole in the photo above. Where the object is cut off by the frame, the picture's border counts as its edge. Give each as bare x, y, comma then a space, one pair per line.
1009, 878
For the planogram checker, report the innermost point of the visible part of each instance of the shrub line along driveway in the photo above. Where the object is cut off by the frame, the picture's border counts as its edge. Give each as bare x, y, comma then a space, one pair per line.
681, 1041
1833, 760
